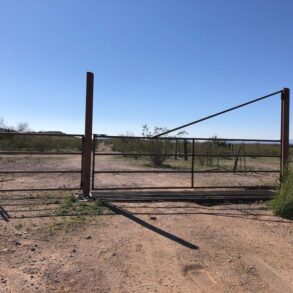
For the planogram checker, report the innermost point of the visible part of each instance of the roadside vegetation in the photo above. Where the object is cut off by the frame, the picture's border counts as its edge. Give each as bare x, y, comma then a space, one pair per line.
10, 141
282, 203
72, 206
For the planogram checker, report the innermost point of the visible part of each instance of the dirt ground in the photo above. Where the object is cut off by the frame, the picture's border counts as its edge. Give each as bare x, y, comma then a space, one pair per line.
164, 247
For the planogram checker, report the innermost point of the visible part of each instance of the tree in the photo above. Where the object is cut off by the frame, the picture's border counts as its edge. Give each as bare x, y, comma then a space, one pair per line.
22, 127
159, 149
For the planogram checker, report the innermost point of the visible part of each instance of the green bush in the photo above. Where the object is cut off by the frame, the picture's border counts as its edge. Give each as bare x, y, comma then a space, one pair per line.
282, 203
39, 143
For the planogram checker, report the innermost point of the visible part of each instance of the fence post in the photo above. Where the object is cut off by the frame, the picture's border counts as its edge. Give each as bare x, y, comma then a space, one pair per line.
192, 165
285, 112
185, 150
87, 150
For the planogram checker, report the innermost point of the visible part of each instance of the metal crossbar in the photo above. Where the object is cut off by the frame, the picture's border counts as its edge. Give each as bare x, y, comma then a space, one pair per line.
217, 114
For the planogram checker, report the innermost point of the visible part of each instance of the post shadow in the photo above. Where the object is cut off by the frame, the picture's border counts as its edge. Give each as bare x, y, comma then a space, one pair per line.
4, 215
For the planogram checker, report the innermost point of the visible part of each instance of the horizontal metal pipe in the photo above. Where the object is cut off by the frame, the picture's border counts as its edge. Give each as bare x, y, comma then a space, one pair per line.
39, 189
184, 171
38, 134
38, 172
264, 187
39, 153
188, 138
189, 155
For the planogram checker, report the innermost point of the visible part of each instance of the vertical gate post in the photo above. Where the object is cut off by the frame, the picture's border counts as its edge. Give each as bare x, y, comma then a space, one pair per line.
285, 112
192, 165
185, 150
87, 150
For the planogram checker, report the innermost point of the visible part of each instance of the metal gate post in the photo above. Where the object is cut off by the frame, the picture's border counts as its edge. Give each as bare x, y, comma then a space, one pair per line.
87, 150
285, 106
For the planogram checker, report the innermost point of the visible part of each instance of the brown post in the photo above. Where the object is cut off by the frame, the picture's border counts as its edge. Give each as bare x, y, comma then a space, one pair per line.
87, 150
285, 112
192, 165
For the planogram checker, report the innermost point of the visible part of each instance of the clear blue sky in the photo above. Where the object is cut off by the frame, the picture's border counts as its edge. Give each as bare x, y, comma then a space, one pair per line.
160, 62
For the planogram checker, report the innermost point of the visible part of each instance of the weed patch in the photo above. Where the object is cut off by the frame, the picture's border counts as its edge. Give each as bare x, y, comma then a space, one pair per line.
282, 203
72, 206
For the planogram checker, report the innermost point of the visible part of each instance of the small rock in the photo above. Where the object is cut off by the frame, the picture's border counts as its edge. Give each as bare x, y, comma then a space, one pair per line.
153, 218
33, 249
73, 250
88, 237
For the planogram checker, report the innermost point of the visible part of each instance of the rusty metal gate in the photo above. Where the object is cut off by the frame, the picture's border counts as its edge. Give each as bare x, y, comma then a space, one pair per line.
190, 146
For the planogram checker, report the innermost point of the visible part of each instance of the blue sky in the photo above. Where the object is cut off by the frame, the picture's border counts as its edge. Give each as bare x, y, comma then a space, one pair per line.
160, 62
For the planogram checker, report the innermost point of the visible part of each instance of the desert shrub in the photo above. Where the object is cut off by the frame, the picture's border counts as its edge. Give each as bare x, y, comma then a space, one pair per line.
157, 148
282, 203
39, 143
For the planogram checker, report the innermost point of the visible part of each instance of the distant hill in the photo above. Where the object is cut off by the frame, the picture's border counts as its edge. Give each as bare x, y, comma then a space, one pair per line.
50, 132
41, 132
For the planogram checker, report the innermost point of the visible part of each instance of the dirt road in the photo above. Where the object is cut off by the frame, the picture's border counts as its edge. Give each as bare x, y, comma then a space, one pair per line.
223, 248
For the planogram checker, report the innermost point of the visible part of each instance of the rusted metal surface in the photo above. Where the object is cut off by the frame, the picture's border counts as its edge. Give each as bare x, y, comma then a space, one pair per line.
39, 189
13, 153
248, 187
93, 161
189, 155
87, 151
184, 171
192, 165
285, 114
276, 141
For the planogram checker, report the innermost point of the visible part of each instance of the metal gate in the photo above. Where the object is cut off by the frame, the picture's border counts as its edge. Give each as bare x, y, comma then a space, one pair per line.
191, 151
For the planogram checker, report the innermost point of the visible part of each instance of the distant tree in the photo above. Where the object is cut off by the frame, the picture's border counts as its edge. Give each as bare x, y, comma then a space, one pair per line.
22, 127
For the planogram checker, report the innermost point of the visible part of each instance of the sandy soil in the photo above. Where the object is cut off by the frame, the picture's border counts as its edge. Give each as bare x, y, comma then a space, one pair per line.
180, 247
166, 247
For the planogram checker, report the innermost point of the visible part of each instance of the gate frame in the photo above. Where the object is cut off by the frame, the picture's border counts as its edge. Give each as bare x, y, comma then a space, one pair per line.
284, 143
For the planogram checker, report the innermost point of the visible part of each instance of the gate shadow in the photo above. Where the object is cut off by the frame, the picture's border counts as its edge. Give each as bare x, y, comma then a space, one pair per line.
4, 215
129, 215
